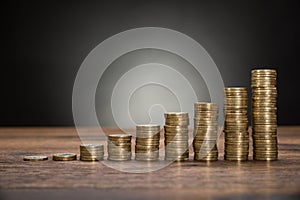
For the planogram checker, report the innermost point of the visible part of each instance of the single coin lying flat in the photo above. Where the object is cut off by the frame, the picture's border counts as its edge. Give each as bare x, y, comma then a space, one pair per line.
35, 158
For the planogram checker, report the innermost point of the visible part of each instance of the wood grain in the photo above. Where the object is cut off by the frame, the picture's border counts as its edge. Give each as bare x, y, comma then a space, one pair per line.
216, 180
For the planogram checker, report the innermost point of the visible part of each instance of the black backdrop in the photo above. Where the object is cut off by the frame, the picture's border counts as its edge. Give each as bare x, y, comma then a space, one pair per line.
45, 42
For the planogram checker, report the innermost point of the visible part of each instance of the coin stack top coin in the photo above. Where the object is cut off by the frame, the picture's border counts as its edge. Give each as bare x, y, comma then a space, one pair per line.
176, 136
264, 114
119, 147
205, 131
91, 152
236, 133
147, 142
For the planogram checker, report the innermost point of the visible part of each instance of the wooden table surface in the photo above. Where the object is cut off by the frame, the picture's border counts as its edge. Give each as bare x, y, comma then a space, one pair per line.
94, 180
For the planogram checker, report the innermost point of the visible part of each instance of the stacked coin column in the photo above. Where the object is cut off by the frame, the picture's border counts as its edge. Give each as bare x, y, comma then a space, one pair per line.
205, 131
264, 114
236, 133
119, 147
147, 142
91, 152
176, 136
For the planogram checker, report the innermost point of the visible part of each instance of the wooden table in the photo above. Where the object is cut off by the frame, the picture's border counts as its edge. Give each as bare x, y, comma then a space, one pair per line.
93, 180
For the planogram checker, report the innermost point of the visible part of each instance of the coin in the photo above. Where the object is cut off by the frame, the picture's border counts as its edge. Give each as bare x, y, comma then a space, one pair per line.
176, 114
35, 158
64, 156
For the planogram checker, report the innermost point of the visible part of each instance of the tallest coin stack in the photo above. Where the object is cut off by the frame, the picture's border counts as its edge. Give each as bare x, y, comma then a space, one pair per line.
264, 114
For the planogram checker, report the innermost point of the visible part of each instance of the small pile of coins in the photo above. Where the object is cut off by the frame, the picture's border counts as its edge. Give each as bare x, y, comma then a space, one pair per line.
91, 152
264, 114
64, 156
119, 147
147, 142
236, 124
176, 136
205, 131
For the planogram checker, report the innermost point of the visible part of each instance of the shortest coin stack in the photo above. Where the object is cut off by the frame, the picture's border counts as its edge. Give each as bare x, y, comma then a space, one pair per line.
91, 152
176, 136
119, 147
205, 131
64, 156
147, 142
35, 158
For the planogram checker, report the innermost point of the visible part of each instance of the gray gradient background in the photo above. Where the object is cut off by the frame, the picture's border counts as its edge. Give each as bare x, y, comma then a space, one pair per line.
46, 42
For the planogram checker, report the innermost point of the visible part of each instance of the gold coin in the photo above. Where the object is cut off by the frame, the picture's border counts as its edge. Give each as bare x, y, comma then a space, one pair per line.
119, 136
91, 145
35, 158
148, 126
176, 115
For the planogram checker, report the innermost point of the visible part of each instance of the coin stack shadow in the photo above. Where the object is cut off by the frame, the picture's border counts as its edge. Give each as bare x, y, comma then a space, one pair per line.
236, 147
176, 136
147, 142
264, 114
91, 152
119, 147
205, 131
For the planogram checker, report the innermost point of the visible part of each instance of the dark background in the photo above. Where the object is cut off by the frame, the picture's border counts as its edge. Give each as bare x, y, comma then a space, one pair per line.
45, 42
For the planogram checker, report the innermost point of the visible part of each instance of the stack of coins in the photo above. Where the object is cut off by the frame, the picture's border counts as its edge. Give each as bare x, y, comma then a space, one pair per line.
205, 131
119, 147
236, 124
176, 136
264, 114
147, 142
91, 152
64, 156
